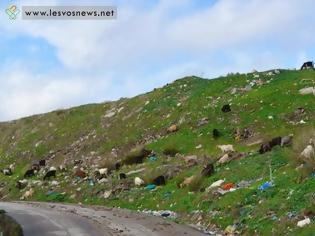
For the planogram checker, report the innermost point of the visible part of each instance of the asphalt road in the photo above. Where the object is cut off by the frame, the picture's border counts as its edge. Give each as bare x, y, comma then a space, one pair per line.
41, 219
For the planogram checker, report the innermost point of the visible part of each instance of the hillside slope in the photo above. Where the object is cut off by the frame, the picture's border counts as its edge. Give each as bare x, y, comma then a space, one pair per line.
263, 106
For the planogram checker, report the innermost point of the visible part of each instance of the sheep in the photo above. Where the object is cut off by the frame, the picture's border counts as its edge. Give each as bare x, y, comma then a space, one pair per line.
187, 181
308, 152
20, 184
160, 180
42, 162
7, 171
138, 181
265, 147
12, 167
286, 140
29, 173
50, 173
172, 129
226, 108
122, 176
226, 148
208, 170
35, 167
275, 142
28, 194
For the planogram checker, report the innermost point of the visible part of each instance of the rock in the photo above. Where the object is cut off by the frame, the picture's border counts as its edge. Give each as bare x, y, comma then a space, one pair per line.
308, 90
191, 160
224, 159
103, 180
54, 183
138, 181
187, 181
107, 194
230, 229
172, 129
203, 121
304, 222
226, 148
199, 146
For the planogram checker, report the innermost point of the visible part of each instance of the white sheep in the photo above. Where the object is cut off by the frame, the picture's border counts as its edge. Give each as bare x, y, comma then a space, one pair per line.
52, 168
308, 152
103, 171
226, 148
138, 181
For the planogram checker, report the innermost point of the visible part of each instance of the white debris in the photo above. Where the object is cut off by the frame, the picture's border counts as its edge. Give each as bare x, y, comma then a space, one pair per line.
304, 222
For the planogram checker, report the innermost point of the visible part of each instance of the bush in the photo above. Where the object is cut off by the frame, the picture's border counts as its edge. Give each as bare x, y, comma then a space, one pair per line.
136, 156
8, 226
107, 162
196, 183
300, 141
170, 151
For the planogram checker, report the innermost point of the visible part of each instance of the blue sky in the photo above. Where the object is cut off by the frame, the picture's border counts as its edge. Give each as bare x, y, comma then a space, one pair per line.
47, 65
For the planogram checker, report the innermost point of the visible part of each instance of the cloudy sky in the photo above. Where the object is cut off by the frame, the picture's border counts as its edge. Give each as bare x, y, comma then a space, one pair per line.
47, 65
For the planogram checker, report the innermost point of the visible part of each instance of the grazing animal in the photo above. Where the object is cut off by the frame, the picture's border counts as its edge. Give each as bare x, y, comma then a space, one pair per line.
78, 162
226, 148
103, 171
265, 147
226, 108
187, 181
308, 152
275, 142
138, 181
160, 180
42, 162
35, 167
29, 173
117, 165
286, 140
172, 129
80, 173
208, 170
21, 184
27, 194
12, 167
49, 174
52, 168
7, 171
307, 65
122, 176
216, 133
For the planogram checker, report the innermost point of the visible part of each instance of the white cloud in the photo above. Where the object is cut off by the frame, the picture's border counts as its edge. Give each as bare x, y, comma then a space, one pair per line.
147, 47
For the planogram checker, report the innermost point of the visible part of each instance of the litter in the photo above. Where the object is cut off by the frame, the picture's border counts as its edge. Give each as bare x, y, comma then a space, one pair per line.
304, 222
150, 186
265, 186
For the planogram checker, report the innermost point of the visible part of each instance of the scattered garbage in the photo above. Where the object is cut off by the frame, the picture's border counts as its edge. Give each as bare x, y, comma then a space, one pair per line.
265, 186
152, 158
150, 187
228, 186
304, 222
162, 213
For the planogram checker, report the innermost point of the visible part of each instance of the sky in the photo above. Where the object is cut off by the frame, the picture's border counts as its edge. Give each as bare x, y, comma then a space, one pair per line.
48, 65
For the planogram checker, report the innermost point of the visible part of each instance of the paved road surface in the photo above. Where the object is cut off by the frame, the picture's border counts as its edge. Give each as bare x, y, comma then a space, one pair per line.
41, 219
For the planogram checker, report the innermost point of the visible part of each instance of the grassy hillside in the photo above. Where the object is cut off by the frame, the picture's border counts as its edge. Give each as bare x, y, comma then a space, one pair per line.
102, 134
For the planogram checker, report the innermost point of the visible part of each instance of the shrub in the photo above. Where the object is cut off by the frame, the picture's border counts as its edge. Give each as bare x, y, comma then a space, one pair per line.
196, 183
300, 141
136, 156
8, 226
170, 151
